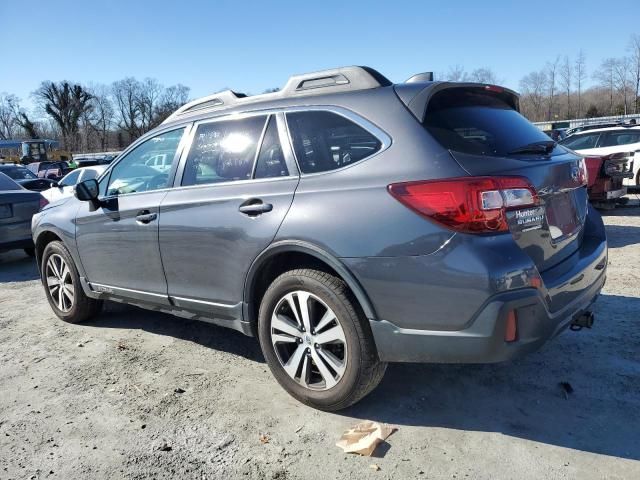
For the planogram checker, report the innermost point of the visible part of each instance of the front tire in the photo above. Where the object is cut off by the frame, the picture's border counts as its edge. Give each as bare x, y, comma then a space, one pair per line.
316, 342
62, 286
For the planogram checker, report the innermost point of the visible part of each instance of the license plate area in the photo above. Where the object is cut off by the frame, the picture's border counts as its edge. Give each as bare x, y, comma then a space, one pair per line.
562, 215
6, 211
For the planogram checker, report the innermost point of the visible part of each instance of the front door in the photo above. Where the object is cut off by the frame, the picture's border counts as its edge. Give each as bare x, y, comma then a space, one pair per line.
235, 188
118, 241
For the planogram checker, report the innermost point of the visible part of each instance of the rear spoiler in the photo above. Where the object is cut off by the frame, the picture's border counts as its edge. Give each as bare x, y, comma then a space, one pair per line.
416, 96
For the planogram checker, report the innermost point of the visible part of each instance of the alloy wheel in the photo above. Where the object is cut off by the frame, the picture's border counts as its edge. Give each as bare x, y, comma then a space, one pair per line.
60, 282
308, 340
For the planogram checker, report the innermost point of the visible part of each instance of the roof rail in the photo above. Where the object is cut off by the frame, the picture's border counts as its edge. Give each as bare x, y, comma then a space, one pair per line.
314, 83
226, 97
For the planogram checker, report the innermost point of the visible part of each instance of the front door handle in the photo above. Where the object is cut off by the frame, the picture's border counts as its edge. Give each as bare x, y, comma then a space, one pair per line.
145, 216
255, 207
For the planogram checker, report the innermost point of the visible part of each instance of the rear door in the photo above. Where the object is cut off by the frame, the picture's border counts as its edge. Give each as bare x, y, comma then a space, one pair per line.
233, 190
118, 241
487, 136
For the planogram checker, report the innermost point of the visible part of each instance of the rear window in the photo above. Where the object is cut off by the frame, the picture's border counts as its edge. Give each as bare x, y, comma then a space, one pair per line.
478, 122
18, 173
7, 184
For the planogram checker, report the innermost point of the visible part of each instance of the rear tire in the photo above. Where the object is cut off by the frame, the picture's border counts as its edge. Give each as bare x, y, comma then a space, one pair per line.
324, 357
62, 286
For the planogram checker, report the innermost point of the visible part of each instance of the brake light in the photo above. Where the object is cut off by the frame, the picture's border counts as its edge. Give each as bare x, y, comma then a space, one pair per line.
494, 88
468, 204
43, 203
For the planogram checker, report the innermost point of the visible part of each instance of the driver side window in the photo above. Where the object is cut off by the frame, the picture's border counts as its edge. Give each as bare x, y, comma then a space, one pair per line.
134, 172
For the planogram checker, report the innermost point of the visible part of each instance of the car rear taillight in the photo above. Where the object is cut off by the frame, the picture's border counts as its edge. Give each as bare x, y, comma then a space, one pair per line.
583, 172
467, 204
43, 203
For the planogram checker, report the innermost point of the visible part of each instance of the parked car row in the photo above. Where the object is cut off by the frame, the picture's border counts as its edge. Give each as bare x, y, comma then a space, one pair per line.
22, 194
17, 207
612, 156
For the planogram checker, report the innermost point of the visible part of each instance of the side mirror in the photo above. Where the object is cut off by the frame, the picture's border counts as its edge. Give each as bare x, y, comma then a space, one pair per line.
88, 190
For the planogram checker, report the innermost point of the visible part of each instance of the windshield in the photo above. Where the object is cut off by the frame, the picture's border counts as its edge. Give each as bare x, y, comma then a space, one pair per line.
479, 122
18, 173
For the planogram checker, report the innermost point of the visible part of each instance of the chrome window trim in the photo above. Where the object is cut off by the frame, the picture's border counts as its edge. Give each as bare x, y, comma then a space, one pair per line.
250, 181
362, 122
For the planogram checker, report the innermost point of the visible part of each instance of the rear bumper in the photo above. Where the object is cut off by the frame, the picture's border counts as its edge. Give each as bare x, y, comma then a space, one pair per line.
482, 340
15, 235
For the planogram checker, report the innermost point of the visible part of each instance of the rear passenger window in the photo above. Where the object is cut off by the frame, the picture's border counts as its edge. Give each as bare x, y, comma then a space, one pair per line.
325, 141
270, 160
223, 151
614, 139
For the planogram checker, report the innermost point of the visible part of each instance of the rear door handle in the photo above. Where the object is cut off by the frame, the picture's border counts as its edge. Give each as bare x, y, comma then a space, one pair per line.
145, 216
255, 207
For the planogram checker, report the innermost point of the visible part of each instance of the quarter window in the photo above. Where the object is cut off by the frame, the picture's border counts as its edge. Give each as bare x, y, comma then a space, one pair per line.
132, 174
325, 141
223, 151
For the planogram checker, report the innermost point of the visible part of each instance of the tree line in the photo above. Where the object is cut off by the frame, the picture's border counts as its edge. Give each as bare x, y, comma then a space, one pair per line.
559, 89
94, 117
105, 117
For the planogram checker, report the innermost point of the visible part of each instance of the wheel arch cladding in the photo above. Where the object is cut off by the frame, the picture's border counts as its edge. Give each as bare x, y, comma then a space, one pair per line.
44, 239
283, 257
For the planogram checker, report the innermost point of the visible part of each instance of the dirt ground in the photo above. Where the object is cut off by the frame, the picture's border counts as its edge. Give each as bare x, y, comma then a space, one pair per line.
99, 400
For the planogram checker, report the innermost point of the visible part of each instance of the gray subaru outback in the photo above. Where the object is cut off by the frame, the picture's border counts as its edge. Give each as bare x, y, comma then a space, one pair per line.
345, 221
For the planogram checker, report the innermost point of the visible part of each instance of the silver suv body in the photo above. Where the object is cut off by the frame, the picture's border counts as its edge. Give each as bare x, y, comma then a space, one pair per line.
346, 221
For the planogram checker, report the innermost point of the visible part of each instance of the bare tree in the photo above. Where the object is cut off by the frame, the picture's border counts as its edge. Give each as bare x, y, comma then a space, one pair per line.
606, 77
8, 120
566, 81
126, 93
533, 88
483, 75
622, 79
171, 99
634, 48
65, 103
580, 69
552, 74
456, 73
101, 117
149, 94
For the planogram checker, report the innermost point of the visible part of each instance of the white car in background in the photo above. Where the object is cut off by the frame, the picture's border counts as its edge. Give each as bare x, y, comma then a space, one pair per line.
605, 141
160, 162
64, 188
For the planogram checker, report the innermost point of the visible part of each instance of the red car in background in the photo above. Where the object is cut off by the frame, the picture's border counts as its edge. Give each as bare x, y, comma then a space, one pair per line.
51, 170
606, 174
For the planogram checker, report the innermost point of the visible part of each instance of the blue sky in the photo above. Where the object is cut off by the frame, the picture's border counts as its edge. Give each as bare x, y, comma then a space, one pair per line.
209, 45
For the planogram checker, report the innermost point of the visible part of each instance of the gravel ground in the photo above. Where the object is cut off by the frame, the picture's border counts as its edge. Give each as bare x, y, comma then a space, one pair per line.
99, 400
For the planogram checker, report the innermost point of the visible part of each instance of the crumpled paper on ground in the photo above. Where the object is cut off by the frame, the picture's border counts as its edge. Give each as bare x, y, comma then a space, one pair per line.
365, 437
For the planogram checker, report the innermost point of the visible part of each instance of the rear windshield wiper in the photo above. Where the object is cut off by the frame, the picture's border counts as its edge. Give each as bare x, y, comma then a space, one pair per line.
536, 147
